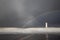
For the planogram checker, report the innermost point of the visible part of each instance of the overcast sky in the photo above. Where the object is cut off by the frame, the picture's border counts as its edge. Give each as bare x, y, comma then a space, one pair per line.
29, 12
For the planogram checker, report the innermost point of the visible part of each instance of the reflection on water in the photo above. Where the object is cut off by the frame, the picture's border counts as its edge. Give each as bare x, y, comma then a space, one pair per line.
29, 37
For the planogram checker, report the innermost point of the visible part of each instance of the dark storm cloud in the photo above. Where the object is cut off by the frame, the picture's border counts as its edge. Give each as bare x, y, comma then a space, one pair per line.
28, 12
